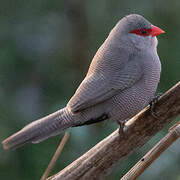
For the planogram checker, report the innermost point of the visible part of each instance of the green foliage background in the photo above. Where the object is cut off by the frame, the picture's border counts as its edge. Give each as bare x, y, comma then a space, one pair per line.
45, 49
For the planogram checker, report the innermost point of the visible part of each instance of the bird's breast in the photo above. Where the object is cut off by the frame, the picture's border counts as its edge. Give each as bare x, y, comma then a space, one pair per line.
132, 100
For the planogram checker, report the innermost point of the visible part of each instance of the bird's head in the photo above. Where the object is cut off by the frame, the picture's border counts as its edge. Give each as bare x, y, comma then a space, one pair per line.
138, 31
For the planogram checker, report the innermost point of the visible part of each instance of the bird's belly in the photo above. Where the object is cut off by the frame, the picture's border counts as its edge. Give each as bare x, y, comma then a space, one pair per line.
129, 102
123, 105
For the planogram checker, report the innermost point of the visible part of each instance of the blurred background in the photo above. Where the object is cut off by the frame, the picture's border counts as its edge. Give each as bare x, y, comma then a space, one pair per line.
45, 50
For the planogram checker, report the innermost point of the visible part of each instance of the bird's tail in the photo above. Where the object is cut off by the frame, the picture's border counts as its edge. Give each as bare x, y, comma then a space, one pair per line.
40, 130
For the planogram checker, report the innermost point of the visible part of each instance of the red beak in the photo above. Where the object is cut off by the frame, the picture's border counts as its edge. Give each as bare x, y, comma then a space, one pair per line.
156, 31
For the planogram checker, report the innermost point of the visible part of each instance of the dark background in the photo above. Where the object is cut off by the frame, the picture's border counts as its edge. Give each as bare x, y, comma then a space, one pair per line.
45, 50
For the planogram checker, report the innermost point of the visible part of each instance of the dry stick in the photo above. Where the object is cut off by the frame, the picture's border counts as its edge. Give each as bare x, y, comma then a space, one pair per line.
56, 155
153, 154
106, 154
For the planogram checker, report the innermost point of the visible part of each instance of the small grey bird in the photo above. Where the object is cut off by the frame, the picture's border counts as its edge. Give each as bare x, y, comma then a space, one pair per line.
122, 79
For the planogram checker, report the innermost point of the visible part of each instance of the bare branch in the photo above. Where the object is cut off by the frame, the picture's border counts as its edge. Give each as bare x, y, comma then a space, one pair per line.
102, 157
56, 155
153, 154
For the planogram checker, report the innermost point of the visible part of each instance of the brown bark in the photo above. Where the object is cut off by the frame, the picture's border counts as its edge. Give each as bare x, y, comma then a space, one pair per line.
102, 157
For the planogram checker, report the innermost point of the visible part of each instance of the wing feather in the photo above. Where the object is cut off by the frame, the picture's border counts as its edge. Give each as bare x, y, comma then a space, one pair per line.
97, 88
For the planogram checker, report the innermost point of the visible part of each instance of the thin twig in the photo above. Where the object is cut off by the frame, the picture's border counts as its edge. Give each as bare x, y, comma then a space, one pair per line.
56, 156
153, 154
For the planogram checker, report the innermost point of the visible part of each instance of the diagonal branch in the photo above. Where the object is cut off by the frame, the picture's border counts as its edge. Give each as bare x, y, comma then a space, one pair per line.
102, 157
153, 154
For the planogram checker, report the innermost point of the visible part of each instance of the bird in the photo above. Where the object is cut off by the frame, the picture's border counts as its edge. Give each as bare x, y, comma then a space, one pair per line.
121, 80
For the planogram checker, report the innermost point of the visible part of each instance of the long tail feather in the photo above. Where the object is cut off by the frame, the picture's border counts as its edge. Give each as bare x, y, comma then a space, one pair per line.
39, 130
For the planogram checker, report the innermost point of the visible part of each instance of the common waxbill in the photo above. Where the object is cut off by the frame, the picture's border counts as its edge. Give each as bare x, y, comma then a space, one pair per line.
121, 80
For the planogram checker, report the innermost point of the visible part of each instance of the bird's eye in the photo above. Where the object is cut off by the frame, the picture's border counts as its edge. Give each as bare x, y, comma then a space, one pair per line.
143, 32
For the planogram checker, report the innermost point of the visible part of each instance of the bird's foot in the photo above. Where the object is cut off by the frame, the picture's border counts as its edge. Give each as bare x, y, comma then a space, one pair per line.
121, 128
153, 105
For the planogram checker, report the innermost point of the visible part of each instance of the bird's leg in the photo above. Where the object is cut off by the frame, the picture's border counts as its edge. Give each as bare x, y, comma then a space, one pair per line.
121, 127
153, 104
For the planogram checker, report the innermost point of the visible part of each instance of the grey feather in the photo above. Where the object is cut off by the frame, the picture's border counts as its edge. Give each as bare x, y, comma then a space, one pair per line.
100, 86
39, 130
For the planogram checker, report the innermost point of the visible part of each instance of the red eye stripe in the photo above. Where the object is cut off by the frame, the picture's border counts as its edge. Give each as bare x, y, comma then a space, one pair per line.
142, 32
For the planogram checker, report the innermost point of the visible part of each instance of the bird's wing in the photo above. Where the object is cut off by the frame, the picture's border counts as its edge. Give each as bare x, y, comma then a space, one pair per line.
97, 88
